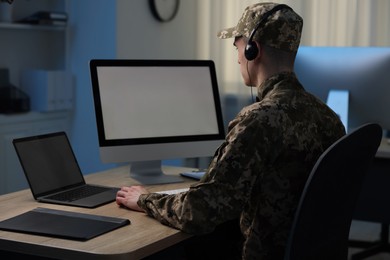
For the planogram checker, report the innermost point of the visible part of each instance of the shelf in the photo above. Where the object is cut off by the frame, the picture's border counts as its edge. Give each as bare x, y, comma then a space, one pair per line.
32, 116
20, 26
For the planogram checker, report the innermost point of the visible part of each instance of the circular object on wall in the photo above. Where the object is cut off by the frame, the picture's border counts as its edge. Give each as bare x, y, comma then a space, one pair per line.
164, 10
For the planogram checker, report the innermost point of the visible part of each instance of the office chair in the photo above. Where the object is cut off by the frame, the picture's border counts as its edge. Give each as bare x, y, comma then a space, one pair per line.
320, 229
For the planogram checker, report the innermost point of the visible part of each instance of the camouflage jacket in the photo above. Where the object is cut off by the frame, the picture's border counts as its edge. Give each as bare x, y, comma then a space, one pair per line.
258, 173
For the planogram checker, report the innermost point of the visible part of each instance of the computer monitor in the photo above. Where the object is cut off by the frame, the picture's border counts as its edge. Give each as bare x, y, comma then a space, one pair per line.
362, 71
152, 110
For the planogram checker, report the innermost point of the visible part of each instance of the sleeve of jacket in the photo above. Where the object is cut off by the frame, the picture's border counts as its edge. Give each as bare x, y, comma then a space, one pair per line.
224, 190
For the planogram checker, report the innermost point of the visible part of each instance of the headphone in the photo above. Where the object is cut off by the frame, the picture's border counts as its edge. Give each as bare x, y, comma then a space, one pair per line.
251, 49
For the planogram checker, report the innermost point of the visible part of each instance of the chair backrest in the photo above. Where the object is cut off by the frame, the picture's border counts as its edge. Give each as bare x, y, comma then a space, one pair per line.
323, 218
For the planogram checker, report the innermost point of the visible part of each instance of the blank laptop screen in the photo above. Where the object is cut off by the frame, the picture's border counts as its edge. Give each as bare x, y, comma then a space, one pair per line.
49, 163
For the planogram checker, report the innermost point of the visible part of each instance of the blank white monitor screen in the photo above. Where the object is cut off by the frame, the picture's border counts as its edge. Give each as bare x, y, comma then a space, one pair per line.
162, 112
150, 110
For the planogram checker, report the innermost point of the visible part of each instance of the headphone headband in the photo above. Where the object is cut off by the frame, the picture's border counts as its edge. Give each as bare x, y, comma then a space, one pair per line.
251, 49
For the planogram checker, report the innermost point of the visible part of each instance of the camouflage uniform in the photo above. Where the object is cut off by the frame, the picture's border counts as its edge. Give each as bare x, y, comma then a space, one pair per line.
258, 173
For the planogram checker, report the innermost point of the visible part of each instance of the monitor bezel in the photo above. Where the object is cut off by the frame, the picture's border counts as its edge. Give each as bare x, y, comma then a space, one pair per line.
104, 142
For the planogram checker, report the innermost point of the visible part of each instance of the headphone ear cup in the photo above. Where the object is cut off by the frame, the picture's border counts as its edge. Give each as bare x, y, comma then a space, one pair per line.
251, 51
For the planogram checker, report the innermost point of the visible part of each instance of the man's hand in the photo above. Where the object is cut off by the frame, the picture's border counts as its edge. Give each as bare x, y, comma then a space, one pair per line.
128, 197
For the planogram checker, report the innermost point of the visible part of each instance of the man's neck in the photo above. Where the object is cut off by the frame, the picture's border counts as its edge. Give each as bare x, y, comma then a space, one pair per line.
268, 70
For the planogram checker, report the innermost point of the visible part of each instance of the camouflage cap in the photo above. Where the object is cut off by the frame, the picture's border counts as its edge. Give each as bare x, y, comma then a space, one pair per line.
282, 29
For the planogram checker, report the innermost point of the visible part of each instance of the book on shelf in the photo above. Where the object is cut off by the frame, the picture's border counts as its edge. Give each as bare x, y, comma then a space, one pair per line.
51, 22
51, 15
46, 18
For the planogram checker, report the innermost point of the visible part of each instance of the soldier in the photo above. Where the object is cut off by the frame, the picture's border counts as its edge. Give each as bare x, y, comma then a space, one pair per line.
257, 175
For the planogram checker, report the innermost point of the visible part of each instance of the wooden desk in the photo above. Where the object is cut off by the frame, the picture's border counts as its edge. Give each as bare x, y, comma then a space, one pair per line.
143, 237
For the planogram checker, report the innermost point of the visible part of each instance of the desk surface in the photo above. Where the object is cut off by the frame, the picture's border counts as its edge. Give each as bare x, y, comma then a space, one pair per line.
143, 237
384, 149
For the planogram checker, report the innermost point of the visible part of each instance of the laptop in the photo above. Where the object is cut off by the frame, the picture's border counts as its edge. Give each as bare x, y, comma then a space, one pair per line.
54, 175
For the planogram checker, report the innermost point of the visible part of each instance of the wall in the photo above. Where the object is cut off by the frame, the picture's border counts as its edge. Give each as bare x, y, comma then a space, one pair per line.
118, 29
140, 36
92, 35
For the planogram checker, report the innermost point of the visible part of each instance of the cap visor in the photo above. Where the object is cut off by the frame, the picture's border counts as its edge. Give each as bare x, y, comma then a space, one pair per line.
228, 33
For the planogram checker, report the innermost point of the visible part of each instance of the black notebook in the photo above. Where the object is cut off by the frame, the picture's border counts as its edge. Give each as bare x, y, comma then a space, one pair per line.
62, 224
54, 175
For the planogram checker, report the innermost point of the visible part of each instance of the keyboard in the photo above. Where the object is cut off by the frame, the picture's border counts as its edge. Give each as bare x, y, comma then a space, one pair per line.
175, 191
197, 175
78, 193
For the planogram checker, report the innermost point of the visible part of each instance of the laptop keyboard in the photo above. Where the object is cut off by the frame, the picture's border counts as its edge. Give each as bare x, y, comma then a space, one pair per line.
78, 193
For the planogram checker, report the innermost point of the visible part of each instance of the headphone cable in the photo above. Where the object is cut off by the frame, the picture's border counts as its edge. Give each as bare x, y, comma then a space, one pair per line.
250, 81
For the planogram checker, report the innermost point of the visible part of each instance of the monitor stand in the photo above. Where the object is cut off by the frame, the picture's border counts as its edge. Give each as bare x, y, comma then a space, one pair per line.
150, 172
338, 101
